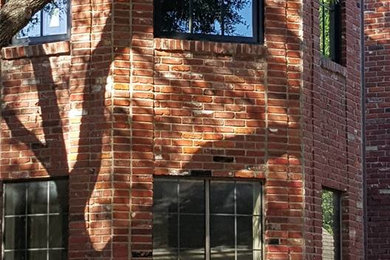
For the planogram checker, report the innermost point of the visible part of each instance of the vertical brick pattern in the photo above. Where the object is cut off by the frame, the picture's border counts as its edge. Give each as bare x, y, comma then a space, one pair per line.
121, 129
284, 182
332, 132
141, 93
91, 162
377, 70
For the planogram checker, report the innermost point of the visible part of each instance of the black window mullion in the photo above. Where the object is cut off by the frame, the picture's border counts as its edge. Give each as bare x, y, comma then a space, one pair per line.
222, 17
41, 22
256, 19
190, 22
323, 31
47, 220
235, 220
337, 220
178, 219
336, 32
332, 31
207, 219
26, 222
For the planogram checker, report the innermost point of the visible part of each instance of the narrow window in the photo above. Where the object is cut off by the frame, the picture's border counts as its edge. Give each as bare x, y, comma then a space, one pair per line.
219, 20
206, 219
49, 24
330, 26
331, 225
35, 220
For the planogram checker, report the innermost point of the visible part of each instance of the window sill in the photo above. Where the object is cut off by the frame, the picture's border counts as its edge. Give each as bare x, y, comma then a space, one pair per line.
45, 49
222, 48
332, 66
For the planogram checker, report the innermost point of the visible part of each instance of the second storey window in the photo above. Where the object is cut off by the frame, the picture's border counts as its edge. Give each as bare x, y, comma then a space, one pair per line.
219, 20
330, 26
49, 24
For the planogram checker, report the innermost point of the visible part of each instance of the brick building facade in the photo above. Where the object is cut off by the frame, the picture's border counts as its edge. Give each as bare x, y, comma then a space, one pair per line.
377, 44
113, 110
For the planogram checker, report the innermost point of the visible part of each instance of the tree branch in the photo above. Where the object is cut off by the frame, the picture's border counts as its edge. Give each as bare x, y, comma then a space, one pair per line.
16, 14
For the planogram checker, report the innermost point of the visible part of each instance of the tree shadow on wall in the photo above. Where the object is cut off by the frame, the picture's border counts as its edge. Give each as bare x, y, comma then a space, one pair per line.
235, 152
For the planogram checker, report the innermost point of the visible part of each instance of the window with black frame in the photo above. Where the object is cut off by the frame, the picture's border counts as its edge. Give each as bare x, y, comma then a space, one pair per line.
206, 219
47, 25
216, 20
35, 218
330, 26
331, 225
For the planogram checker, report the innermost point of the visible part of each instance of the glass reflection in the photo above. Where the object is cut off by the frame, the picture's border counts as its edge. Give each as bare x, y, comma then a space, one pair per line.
15, 199
14, 233
37, 198
221, 197
238, 18
37, 232
55, 18
191, 197
173, 16
165, 196
210, 17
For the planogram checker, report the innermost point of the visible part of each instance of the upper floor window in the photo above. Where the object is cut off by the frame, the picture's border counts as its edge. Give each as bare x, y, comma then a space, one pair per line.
49, 24
330, 26
216, 20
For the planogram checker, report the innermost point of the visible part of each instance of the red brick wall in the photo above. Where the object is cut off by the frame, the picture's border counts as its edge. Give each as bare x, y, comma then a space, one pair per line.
116, 107
332, 132
377, 71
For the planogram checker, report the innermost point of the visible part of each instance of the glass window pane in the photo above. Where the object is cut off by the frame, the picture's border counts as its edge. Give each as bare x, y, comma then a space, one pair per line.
206, 16
192, 254
325, 28
165, 196
32, 29
191, 196
58, 255
37, 232
244, 233
37, 197
164, 254
55, 18
173, 15
165, 232
58, 199
330, 225
19, 255
192, 232
245, 255
247, 197
221, 197
15, 234
15, 199
217, 254
58, 234
222, 233
37, 255
238, 18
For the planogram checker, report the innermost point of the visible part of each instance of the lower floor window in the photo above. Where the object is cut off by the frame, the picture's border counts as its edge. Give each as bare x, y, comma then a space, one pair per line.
331, 225
207, 219
35, 220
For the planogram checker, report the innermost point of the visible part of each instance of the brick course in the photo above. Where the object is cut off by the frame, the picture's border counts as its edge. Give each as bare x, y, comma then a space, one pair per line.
113, 107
